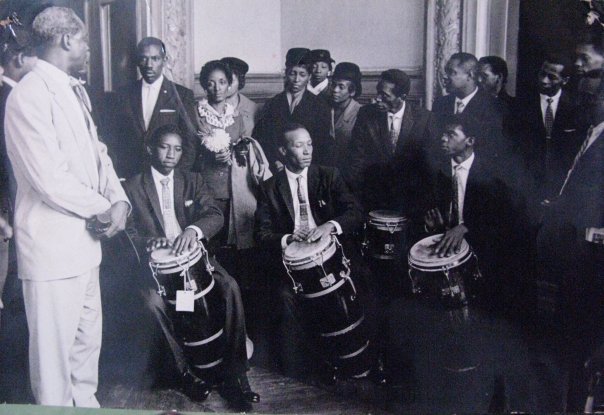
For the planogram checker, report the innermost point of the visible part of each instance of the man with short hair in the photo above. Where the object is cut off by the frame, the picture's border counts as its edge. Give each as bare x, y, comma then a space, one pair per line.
493, 77
295, 104
65, 182
387, 163
146, 105
589, 52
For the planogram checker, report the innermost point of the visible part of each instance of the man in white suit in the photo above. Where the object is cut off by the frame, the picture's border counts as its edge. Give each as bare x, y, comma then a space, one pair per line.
65, 180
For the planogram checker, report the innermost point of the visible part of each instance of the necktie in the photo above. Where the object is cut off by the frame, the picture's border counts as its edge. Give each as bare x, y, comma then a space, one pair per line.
459, 107
83, 100
171, 225
393, 133
304, 224
549, 119
147, 108
582, 151
454, 220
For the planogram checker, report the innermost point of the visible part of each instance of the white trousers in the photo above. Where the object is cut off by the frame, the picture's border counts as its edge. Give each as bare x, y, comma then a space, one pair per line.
65, 329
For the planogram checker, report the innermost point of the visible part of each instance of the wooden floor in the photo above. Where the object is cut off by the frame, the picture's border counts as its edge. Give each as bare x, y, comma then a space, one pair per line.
279, 394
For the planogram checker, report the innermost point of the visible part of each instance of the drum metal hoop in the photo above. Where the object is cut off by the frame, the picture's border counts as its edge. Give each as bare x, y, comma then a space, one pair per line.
296, 286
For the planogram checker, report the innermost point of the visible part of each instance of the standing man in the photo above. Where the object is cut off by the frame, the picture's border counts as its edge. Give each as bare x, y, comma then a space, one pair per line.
391, 131
295, 105
147, 104
65, 180
493, 77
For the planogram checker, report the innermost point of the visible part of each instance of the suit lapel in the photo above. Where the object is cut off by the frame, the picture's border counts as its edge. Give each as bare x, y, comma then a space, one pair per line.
406, 127
165, 93
286, 194
313, 181
179, 198
383, 135
136, 99
153, 197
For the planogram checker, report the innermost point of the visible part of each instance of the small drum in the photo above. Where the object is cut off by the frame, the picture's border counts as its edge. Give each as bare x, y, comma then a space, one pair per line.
386, 234
320, 274
451, 278
201, 331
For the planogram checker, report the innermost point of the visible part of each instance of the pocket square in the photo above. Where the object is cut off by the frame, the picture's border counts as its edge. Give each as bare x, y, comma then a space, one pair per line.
322, 203
166, 110
570, 130
188, 203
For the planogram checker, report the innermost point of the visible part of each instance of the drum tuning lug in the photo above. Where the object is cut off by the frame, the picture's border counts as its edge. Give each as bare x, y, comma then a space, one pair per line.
161, 292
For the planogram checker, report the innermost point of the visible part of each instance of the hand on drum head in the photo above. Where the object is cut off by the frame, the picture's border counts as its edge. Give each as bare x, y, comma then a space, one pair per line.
451, 241
319, 232
433, 219
157, 243
298, 236
186, 241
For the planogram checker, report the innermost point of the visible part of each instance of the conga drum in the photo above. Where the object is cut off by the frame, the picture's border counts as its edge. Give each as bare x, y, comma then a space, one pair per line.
386, 234
450, 278
201, 330
321, 277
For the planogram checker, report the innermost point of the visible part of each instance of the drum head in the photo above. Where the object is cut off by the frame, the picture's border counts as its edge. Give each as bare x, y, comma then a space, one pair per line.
386, 216
167, 263
421, 255
298, 254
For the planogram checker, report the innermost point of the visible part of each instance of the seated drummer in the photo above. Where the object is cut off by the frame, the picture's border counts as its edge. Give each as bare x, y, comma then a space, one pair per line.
191, 216
331, 209
473, 203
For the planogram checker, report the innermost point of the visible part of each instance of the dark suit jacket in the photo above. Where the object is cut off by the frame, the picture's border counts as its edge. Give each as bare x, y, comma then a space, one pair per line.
127, 135
485, 109
312, 112
6, 175
329, 197
193, 205
374, 171
549, 161
487, 212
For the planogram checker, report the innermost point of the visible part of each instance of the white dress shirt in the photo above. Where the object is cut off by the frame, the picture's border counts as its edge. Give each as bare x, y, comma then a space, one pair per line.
465, 101
150, 93
292, 179
9, 81
319, 88
555, 102
462, 179
157, 178
396, 120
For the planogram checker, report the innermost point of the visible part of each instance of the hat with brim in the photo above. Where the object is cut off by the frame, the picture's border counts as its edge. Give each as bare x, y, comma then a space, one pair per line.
350, 72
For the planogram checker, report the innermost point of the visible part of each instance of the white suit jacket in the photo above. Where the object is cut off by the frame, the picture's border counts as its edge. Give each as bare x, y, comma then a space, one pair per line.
64, 176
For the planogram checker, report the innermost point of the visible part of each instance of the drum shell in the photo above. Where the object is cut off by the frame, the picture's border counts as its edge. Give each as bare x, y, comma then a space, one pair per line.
335, 315
200, 332
386, 242
433, 284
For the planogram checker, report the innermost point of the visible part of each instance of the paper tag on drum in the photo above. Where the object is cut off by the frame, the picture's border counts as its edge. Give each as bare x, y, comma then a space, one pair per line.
185, 301
327, 281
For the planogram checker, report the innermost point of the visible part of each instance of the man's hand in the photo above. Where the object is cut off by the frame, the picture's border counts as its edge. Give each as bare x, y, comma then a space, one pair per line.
317, 233
433, 220
298, 236
157, 243
186, 241
451, 241
118, 213
6, 231
223, 156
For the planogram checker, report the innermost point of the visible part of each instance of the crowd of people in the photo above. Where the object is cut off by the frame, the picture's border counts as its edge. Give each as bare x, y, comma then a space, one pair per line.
521, 181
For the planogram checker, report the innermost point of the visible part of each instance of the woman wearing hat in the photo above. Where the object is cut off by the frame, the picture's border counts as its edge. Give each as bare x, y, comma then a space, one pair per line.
322, 64
242, 104
345, 87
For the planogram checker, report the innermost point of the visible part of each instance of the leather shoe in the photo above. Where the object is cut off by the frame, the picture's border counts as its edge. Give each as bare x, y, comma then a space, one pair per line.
194, 388
234, 393
248, 393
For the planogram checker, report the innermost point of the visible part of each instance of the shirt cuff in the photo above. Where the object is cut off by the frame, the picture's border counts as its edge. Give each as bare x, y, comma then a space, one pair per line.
197, 231
284, 241
338, 227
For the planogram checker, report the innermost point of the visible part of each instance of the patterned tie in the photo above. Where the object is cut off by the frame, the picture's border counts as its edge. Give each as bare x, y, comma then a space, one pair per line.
454, 221
304, 224
393, 134
459, 107
582, 151
171, 225
549, 118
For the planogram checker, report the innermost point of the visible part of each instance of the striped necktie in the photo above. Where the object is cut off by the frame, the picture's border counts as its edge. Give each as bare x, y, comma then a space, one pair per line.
304, 223
549, 119
459, 107
171, 225
454, 218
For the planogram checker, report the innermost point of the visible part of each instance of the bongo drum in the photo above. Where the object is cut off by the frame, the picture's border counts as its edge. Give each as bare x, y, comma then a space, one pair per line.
450, 278
320, 274
385, 234
200, 331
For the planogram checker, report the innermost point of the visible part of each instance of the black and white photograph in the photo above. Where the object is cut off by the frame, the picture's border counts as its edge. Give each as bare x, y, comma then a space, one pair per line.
301, 206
